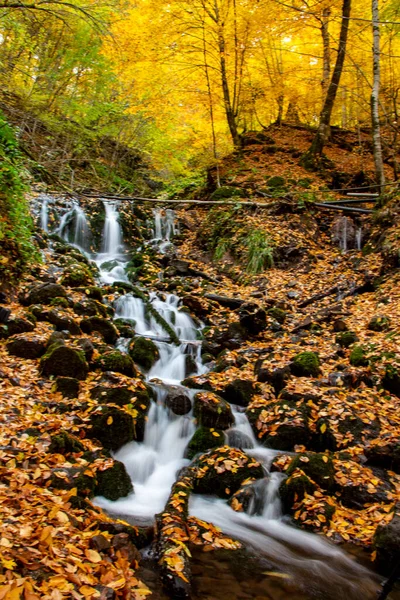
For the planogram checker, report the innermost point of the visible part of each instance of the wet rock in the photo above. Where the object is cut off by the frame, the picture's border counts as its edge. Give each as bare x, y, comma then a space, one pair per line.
120, 394
357, 487
221, 472
346, 338
112, 426
190, 365
294, 488
211, 410
277, 377
252, 317
144, 352
383, 454
391, 380
86, 345
239, 391
238, 439
77, 276
197, 305
26, 347
67, 386
178, 402
379, 323
305, 364
319, 467
230, 338
94, 292
386, 542
90, 308
106, 329
18, 325
43, 294
122, 544
65, 443
61, 360
113, 483
116, 361
63, 322
126, 327
250, 498
204, 439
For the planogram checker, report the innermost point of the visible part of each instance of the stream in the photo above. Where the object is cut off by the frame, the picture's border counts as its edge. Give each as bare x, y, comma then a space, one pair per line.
304, 565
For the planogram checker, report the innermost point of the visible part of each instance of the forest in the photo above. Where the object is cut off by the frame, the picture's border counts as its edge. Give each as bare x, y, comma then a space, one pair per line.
199, 299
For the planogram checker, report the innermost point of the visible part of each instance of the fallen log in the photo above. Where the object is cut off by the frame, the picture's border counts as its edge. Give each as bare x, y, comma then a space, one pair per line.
232, 303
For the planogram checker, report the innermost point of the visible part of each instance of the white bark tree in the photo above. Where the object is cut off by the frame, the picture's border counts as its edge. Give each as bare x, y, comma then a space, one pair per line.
376, 130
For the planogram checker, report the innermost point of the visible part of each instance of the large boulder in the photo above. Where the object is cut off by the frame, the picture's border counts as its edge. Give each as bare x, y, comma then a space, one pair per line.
106, 329
116, 361
240, 392
26, 346
77, 275
64, 361
252, 317
305, 364
319, 467
65, 443
114, 482
211, 410
221, 472
112, 426
67, 386
144, 352
204, 439
43, 294
18, 325
387, 543
63, 322
178, 402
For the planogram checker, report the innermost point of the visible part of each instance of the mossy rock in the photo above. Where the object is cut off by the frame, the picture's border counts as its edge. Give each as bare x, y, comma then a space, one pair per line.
114, 482
204, 439
386, 543
178, 402
60, 302
276, 182
77, 276
112, 426
358, 357
73, 477
18, 325
226, 191
103, 326
26, 347
90, 308
294, 488
64, 361
44, 294
63, 322
252, 317
222, 471
346, 338
305, 364
116, 361
67, 386
211, 410
144, 352
379, 323
278, 314
126, 327
65, 443
240, 392
94, 292
319, 467
391, 380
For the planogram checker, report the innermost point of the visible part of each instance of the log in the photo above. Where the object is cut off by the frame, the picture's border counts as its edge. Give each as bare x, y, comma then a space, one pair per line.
232, 303
320, 296
332, 206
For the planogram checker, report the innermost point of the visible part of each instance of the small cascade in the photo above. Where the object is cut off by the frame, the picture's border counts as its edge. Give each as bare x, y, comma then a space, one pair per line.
111, 259
74, 228
44, 215
359, 238
164, 229
112, 234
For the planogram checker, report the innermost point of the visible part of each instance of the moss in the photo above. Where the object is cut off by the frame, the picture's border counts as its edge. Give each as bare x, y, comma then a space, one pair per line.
94, 292
240, 391
67, 386
65, 443
144, 352
77, 276
73, 477
278, 314
102, 326
63, 302
346, 338
126, 327
305, 364
358, 357
226, 191
277, 182
112, 426
391, 380
294, 489
204, 439
114, 482
64, 361
319, 467
116, 361
212, 411
379, 324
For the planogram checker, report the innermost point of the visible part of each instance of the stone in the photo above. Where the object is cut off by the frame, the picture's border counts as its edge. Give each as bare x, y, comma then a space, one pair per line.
386, 543
112, 426
385, 455
178, 402
358, 357
319, 467
305, 364
122, 544
293, 490
19, 325
26, 347
103, 326
379, 323
86, 345
43, 294
346, 338
114, 482
278, 377
77, 276
144, 352
211, 410
65, 443
116, 361
61, 360
204, 439
63, 322
252, 317
239, 391
67, 386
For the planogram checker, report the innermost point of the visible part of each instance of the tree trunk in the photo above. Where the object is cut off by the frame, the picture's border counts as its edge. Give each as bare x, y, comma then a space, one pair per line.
317, 146
376, 132
326, 69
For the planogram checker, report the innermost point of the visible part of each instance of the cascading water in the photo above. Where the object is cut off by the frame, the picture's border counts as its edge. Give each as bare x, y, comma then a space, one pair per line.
74, 228
44, 215
164, 228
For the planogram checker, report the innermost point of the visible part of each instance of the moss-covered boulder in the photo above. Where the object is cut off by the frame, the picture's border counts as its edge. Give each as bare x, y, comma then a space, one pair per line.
226, 191
278, 314
26, 346
211, 410
386, 543
144, 352
204, 439
240, 392
67, 386
252, 317
94, 292
116, 361
294, 488
60, 302
77, 275
305, 364
319, 467
379, 323
112, 426
18, 325
346, 338
222, 471
63, 322
178, 402
384, 454
65, 443
358, 357
276, 182
67, 478
113, 483
126, 327
90, 308
103, 326
391, 380
43, 294
64, 361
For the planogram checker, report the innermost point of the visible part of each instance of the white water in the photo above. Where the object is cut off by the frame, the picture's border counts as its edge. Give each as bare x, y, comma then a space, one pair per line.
153, 464
74, 228
44, 215
359, 234
164, 228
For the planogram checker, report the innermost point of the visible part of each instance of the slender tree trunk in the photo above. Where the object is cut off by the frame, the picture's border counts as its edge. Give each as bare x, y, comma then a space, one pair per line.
211, 106
317, 146
326, 69
376, 132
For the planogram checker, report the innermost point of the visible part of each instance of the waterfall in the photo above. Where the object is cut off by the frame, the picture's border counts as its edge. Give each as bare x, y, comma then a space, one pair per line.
164, 228
74, 228
44, 215
359, 234
112, 234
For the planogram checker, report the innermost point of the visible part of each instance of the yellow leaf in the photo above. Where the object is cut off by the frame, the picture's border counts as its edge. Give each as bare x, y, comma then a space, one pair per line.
62, 517
323, 428
109, 420
93, 556
215, 434
276, 574
325, 458
87, 591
